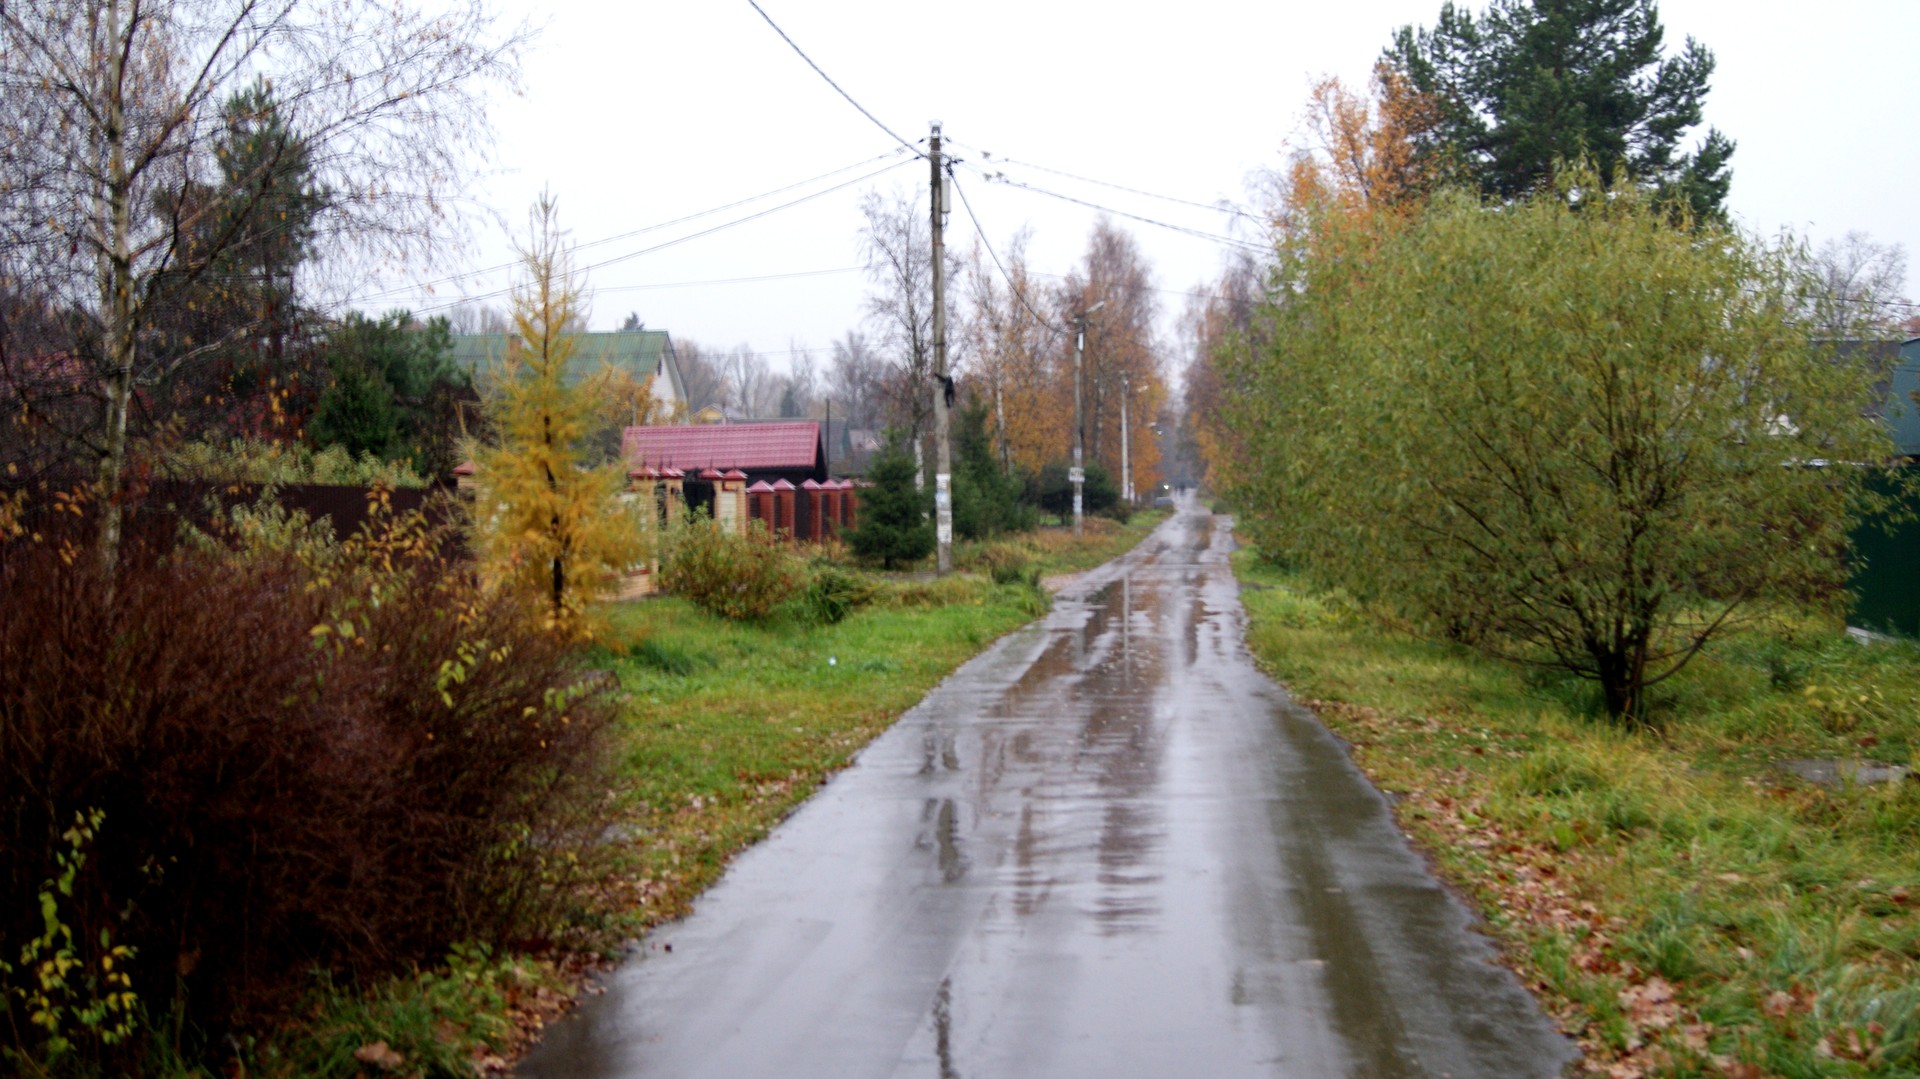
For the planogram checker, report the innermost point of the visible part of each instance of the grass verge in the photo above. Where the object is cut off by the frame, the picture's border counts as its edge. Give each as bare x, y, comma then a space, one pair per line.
1681, 902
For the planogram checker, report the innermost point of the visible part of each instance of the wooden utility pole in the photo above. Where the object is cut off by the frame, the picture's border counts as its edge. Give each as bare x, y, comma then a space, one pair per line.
1078, 473
943, 384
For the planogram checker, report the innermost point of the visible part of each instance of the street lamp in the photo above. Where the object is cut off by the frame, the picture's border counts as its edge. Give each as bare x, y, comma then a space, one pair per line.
1126, 473
1078, 474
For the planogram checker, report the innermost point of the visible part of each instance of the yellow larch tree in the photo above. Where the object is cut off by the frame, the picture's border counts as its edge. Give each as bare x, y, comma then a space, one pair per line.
550, 523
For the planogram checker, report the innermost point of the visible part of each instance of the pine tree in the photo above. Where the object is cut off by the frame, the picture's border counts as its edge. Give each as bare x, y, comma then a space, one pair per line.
548, 522
1533, 86
230, 301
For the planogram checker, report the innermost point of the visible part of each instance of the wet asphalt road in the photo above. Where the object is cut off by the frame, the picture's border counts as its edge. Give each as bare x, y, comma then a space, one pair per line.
1106, 847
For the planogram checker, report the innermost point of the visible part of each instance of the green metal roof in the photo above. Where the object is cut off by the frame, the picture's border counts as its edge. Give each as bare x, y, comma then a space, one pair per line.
641, 352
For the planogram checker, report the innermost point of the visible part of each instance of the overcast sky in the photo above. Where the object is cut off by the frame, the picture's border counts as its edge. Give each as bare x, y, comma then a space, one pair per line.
641, 113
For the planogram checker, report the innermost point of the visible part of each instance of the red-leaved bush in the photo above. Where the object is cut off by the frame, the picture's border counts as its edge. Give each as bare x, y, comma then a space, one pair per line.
299, 755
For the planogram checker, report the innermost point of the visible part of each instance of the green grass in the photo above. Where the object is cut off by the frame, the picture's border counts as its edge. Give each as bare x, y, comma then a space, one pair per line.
1785, 917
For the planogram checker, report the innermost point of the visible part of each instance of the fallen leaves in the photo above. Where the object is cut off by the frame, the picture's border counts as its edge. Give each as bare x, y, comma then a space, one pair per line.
1649, 1005
380, 1055
1528, 889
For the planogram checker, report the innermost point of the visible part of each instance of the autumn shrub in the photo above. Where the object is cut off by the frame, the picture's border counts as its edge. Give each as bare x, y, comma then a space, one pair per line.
240, 762
258, 461
1009, 563
831, 594
739, 575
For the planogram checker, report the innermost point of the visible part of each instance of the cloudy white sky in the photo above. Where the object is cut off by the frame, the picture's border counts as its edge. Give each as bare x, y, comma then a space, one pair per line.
639, 113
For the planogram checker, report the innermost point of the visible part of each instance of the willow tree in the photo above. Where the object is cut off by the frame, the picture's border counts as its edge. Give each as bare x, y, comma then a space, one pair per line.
549, 521
1563, 429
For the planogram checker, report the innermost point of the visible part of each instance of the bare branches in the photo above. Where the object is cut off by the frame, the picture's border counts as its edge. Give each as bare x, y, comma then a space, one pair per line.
118, 118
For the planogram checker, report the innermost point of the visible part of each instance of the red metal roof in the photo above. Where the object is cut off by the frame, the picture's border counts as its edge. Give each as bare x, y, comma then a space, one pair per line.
754, 446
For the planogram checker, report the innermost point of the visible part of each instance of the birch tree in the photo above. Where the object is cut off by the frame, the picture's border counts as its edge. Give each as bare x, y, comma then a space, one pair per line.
115, 106
1115, 282
897, 246
1020, 361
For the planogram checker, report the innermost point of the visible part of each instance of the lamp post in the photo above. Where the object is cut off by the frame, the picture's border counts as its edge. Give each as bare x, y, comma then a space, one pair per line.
1126, 473
1078, 474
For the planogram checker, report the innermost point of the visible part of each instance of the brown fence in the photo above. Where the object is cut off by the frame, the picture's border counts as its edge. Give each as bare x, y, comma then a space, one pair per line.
157, 513
346, 507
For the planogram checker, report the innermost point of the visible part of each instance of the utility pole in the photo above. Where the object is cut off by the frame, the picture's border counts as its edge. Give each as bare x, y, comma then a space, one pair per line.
1078, 474
943, 385
1126, 474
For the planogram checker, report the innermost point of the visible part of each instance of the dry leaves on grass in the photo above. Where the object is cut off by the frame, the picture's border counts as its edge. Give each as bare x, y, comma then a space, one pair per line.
380, 1056
1528, 890
531, 1009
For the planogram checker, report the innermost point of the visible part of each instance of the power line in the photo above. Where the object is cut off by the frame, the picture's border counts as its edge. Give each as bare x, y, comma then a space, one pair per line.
1152, 288
603, 290
643, 230
830, 82
988, 244
1223, 206
1210, 236
681, 239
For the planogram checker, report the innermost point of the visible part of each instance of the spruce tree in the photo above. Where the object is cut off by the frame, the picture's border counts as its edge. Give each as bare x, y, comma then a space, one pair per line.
893, 527
986, 500
1533, 86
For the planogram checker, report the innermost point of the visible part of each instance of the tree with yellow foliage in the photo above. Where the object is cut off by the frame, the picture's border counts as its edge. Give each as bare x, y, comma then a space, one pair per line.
549, 523
1363, 150
1019, 357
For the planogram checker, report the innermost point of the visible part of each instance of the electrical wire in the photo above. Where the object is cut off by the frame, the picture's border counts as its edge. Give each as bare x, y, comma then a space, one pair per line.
603, 290
988, 244
617, 259
1150, 288
1219, 207
643, 230
830, 82
1198, 233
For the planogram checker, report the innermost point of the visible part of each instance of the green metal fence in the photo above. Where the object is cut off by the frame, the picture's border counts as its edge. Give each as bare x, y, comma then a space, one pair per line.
1886, 586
